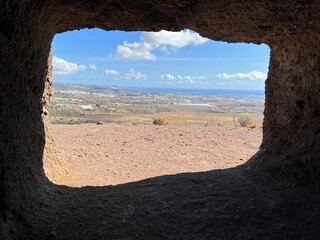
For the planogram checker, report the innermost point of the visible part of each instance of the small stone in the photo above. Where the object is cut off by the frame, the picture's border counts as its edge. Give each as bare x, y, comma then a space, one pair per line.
100, 123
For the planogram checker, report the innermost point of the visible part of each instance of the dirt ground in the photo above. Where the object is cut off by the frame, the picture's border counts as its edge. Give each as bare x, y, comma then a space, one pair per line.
110, 154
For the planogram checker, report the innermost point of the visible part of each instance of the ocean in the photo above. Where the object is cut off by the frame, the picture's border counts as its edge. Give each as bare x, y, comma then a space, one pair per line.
256, 94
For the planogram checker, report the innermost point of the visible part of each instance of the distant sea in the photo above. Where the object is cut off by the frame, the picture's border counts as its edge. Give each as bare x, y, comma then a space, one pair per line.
256, 94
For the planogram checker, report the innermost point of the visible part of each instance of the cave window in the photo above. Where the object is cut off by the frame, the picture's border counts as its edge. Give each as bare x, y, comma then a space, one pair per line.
131, 83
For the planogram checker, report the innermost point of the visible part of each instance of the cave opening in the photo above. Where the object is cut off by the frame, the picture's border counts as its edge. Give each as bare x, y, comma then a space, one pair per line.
134, 105
273, 196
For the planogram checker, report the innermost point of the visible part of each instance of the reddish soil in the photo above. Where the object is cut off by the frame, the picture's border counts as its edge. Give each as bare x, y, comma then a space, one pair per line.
97, 155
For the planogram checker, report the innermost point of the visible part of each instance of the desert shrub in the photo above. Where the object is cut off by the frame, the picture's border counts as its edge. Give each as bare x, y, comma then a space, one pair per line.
245, 120
160, 121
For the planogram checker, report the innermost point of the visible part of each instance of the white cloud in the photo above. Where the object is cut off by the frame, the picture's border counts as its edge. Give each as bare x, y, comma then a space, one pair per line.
132, 74
173, 39
166, 50
254, 75
63, 67
165, 41
111, 72
92, 66
168, 77
134, 51
187, 79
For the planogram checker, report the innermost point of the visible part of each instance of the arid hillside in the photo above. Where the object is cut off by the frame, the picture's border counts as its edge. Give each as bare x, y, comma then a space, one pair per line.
110, 154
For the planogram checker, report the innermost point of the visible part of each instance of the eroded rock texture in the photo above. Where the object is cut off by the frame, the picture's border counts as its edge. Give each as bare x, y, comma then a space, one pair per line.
291, 144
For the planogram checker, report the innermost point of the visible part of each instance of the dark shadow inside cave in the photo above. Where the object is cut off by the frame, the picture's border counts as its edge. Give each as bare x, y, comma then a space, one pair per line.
217, 204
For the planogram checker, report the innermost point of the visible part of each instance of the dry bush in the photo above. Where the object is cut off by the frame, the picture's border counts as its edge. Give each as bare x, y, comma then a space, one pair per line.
245, 120
160, 121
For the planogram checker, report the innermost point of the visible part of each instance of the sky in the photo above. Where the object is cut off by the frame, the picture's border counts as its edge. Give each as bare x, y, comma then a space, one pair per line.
157, 60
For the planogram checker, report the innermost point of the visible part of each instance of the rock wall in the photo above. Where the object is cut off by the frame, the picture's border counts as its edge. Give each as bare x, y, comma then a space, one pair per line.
291, 136
291, 143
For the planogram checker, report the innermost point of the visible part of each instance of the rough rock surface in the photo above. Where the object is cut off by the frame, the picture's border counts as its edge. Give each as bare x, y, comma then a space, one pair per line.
291, 139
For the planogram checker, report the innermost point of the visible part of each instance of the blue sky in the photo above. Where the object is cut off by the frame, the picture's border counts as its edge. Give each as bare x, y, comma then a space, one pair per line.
157, 59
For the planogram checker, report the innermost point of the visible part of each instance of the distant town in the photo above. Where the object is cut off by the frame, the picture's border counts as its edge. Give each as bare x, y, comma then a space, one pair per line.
76, 104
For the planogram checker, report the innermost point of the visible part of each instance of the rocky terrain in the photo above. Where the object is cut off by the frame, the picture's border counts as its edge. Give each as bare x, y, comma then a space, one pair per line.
203, 133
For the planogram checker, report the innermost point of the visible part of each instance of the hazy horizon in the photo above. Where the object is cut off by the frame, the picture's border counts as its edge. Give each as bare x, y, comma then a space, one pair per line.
155, 87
